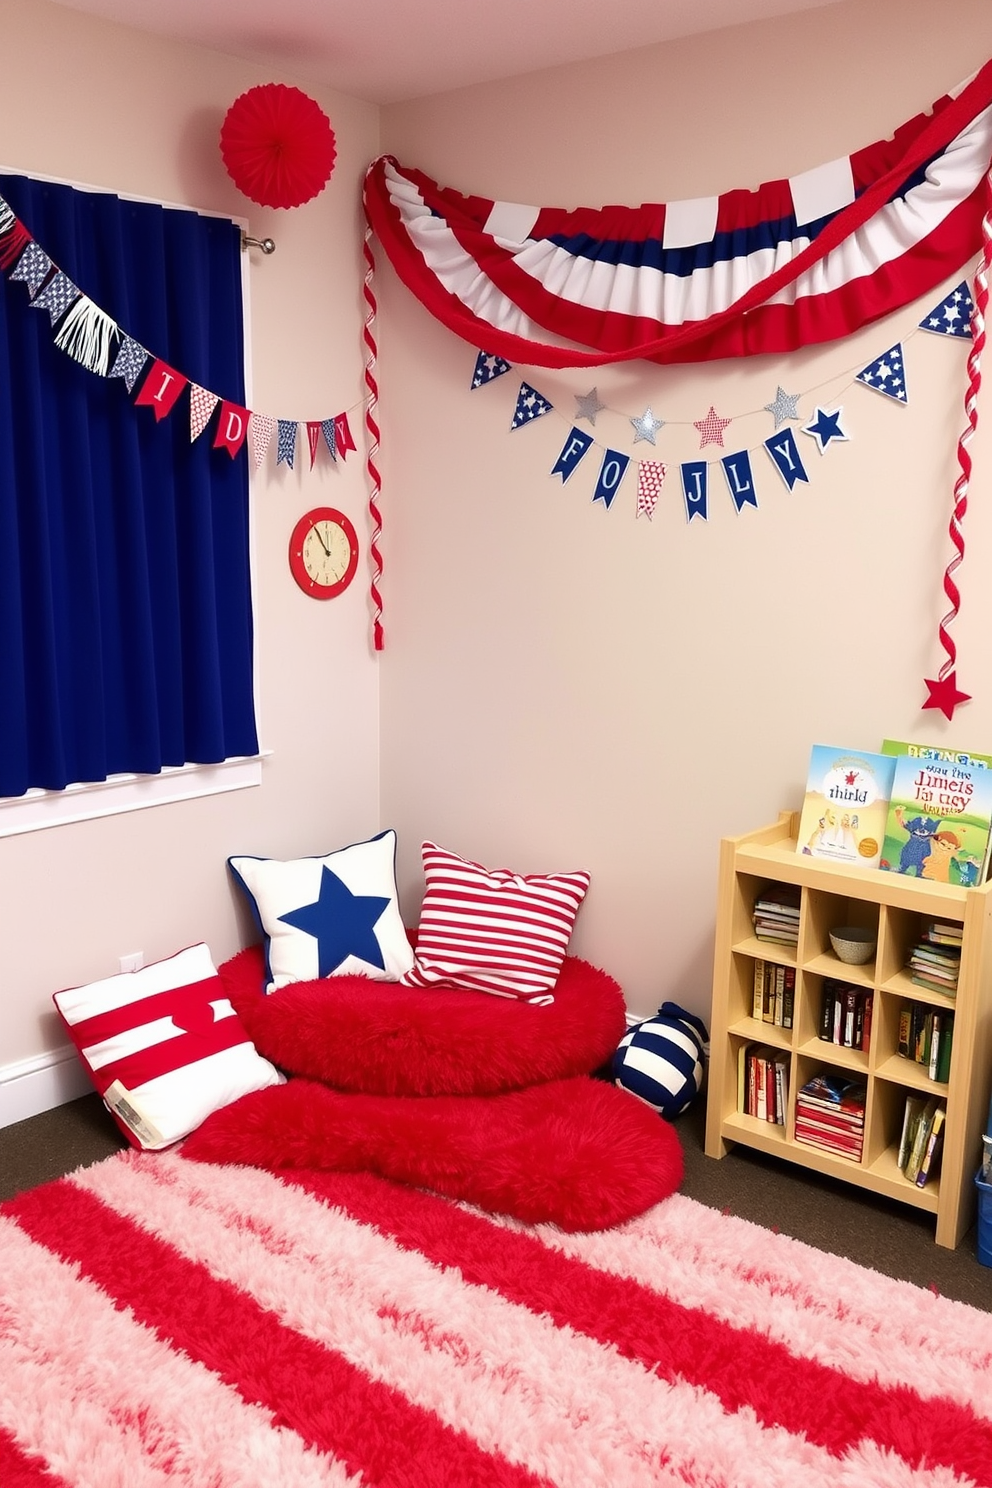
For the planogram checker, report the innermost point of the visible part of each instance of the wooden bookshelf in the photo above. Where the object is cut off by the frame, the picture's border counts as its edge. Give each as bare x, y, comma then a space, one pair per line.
896, 905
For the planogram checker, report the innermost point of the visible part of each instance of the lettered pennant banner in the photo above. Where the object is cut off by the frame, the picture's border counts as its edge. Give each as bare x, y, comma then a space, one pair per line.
95, 340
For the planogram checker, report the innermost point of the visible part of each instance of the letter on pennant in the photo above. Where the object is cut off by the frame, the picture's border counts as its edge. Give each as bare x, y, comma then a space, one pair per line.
737, 469
694, 488
611, 473
342, 435
785, 456
232, 426
161, 389
575, 446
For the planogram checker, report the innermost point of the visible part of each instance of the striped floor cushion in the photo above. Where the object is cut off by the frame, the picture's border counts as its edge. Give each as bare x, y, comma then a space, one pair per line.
491, 930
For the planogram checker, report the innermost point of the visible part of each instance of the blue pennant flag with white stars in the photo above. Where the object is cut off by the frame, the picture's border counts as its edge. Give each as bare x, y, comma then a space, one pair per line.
611, 473
32, 268
785, 456
530, 405
286, 443
694, 474
886, 374
488, 367
952, 317
56, 297
575, 447
740, 480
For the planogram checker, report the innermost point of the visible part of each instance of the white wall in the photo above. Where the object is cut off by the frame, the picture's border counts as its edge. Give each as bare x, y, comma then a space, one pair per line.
566, 686
103, 105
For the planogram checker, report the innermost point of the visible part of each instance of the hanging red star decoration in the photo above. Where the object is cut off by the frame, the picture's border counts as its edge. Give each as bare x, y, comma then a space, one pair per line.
945, 694
711, 428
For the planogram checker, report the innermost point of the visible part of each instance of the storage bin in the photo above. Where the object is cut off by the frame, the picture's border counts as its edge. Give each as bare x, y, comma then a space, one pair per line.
984, 1220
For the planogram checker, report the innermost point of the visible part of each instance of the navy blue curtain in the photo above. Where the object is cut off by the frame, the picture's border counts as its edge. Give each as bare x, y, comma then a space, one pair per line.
125, 602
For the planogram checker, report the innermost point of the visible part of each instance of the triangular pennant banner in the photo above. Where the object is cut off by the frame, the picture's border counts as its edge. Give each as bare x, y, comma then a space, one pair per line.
488, 367
128, 362
343, 441
952, 317
329, 431
232, 427
260, 432
740, 480
201, 405
87, 334
886, 374
575, 447
7, 216
313, 439
530, 406
611, 473
694, 477
784, 453
650, 479
286, 443
57, 295
32, 268
160, 389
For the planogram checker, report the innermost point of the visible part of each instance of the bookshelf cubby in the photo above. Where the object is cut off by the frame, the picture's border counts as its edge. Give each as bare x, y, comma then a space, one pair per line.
895, 905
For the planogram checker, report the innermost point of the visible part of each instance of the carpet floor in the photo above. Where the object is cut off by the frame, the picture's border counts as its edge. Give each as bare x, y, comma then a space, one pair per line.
886, 1236
164, 1322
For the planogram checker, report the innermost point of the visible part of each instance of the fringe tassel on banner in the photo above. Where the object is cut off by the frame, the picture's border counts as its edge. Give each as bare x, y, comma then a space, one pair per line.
87, 334
375, 483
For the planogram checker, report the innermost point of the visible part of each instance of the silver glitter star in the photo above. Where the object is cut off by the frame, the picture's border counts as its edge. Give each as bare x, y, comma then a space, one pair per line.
647, 426
786, 406
588, 405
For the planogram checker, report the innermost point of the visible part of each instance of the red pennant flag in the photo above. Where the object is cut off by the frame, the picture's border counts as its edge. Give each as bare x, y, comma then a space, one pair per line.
313, 436
342, 435
161, 389
232, 426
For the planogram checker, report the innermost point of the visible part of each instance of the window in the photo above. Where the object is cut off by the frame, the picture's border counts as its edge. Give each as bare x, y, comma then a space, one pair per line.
125, 598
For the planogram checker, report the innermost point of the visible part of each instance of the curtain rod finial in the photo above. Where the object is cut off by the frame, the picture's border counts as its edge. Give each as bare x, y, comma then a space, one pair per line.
266, 244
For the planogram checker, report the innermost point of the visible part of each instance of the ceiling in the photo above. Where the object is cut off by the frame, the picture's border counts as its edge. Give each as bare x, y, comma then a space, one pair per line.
387, 51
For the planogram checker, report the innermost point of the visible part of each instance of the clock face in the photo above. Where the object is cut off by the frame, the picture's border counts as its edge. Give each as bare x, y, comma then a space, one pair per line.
323, 552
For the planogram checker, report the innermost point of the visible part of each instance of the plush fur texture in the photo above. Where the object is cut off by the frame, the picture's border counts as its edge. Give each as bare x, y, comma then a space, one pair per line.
383, 1039
578, 1153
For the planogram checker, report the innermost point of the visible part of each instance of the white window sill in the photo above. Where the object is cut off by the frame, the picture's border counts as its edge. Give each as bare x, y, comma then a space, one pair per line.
39, 808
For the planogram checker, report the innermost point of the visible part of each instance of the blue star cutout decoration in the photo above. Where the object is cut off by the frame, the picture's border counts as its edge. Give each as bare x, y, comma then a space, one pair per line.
341, 923
825, 427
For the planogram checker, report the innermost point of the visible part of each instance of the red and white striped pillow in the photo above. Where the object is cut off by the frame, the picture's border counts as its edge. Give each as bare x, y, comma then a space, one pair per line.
493, 930
163, 1046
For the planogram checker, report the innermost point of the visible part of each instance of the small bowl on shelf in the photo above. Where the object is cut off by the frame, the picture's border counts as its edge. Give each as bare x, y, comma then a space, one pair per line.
854, 944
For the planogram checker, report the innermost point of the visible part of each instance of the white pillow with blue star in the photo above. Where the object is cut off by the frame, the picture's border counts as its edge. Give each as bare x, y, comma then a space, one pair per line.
330, 916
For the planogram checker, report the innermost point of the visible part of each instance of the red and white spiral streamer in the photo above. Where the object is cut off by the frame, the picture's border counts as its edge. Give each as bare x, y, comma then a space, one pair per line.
372, 441
961, 485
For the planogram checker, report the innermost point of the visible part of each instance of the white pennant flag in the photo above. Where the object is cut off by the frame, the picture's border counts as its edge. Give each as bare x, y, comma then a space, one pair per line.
201, 405
260, 432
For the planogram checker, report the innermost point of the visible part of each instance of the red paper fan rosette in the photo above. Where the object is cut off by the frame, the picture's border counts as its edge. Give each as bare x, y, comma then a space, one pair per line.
277, 145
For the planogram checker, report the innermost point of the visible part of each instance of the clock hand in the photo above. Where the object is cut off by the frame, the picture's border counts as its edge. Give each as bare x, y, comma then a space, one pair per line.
327, 551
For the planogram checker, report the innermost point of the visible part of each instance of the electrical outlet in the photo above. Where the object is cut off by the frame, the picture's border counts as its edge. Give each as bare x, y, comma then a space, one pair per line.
133, 961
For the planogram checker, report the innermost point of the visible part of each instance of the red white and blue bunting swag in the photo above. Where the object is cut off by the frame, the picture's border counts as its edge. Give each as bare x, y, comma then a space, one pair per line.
795, 262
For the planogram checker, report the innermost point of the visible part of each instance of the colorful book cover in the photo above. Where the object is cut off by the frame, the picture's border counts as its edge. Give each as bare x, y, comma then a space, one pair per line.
846, 805
939, 822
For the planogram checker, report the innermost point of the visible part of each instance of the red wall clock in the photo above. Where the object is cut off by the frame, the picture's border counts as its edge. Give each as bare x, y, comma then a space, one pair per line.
323, 552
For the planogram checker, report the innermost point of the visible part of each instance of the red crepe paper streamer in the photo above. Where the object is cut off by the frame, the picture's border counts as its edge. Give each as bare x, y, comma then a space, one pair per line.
278, 145
943, 691
371, 404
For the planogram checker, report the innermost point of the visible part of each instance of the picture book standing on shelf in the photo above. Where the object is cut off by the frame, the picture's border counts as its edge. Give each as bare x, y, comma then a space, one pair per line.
939, 824
846, 805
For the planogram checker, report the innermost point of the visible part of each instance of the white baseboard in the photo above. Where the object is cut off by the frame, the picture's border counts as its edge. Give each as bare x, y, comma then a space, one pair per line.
35, 1085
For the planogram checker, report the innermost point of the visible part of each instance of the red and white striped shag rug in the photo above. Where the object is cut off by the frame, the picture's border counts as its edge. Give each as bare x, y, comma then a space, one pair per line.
164, 1322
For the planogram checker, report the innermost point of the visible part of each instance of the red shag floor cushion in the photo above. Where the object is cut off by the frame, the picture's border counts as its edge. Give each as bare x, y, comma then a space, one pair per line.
477, 1097
577, 1153
383, 1039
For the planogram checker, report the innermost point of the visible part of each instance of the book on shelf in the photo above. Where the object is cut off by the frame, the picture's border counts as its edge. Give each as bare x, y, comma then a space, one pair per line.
926, 1036
830, 1114
763, 1082
845, 1014
845, 806
930, 1161
776, 913
921, 1126
939, 823
843, 1095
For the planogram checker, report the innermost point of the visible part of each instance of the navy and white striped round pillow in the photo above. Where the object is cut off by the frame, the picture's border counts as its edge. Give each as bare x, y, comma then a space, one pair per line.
661, 1060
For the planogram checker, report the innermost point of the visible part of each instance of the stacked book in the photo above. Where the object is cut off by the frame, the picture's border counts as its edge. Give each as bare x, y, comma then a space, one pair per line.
830, 1114
776, 914
921, 1140
925, 1036
936, 957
